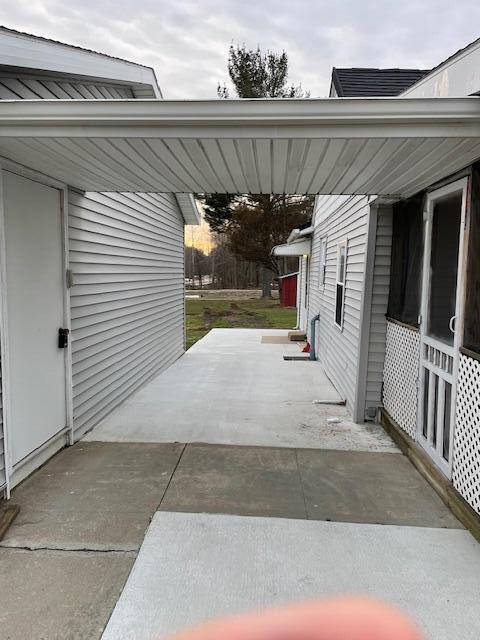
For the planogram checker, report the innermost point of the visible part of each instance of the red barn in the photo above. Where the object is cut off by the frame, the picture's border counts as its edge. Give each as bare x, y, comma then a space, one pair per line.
288, 290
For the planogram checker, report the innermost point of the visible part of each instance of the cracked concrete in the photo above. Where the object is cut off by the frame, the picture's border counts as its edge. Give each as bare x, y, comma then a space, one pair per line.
82, 519
96, 496
53, 595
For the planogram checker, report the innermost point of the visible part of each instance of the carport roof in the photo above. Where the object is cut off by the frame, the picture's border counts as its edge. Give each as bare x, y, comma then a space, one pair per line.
380, 146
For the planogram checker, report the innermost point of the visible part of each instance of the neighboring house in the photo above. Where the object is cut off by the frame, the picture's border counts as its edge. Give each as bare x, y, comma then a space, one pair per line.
106, 267
396, 280
365, 82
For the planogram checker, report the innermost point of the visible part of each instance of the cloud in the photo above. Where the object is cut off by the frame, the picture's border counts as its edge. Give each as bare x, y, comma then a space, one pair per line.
187, 42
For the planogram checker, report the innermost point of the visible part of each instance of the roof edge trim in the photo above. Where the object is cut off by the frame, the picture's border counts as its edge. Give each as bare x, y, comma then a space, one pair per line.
188, 208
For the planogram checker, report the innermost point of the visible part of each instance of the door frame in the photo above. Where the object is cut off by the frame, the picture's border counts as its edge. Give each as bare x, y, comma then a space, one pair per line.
13, 167
458, 186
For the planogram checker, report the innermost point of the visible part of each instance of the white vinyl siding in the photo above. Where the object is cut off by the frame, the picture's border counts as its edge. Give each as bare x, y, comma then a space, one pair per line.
378, 322
339, 218
127, 297
3, 473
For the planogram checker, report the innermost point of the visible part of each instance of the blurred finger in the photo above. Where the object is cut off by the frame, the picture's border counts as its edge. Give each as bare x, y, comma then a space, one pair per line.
342, 619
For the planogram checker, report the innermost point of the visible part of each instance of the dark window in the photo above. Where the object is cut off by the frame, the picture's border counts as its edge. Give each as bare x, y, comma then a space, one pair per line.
406, 265
471, 338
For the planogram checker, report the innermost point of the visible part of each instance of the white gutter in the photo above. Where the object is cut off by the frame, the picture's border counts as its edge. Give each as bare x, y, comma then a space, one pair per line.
299, 233
293, 235
335, 117
298, 248
306, 232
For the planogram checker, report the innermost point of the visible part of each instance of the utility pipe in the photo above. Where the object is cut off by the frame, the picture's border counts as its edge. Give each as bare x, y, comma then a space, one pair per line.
313, 336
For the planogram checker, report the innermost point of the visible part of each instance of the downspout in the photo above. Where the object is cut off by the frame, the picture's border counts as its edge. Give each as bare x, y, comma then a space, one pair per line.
313, 336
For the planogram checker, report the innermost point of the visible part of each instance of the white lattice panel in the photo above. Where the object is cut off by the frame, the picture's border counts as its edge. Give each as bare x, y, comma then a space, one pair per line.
466, 456
400, 375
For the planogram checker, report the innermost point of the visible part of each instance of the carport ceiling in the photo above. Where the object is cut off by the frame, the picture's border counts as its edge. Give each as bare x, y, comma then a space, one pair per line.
379, 146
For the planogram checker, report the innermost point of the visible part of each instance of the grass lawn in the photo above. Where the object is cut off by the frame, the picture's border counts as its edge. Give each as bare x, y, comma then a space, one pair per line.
203, 315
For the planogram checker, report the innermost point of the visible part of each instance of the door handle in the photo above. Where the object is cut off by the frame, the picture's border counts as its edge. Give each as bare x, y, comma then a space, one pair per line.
451, 324
63, 338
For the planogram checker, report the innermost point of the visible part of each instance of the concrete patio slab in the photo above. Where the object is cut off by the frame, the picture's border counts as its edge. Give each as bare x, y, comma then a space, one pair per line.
338, 486
212, 565
93, 496
240, 480
86, 588
230, 388
376, 488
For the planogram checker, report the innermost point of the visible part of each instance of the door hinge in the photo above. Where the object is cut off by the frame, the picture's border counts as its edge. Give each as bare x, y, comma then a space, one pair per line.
419, 319
69, 278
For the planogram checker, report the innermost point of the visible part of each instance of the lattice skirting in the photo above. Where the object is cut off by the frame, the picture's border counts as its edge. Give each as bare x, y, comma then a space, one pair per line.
400, 375
466, 455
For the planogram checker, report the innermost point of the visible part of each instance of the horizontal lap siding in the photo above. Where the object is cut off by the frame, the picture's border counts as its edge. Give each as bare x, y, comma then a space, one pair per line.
127, 302
339, 218
378, 322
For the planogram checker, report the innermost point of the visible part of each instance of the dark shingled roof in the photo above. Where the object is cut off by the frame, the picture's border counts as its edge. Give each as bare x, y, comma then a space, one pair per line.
358, 82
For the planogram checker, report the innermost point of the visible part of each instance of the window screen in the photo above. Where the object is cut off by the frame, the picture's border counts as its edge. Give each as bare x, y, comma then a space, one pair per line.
406, 264
471, 338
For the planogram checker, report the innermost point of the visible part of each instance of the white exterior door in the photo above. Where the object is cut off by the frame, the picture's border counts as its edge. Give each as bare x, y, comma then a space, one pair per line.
35, 313
441, 320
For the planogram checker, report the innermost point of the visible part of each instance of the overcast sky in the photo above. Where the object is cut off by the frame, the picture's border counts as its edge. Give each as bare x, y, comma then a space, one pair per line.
187, 42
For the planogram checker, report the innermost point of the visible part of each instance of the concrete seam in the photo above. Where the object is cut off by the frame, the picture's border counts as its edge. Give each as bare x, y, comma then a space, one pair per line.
171, 477
301, 484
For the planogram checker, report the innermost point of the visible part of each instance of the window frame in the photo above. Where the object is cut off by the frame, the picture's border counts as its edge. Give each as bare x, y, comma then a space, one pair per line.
342, 244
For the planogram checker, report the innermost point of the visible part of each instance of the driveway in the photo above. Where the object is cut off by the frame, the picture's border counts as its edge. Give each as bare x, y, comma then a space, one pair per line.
234, 387
253, 489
